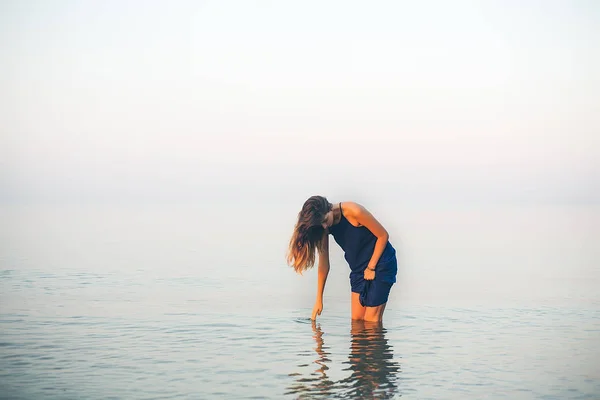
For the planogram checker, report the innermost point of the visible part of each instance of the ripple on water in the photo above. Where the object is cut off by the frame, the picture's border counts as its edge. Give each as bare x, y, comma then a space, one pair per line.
140, 349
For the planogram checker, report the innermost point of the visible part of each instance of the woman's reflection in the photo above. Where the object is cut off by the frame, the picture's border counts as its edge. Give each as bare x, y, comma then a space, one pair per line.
319, 384
371, 360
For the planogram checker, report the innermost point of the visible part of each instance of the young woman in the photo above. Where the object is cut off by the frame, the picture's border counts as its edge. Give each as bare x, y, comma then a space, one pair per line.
371, 257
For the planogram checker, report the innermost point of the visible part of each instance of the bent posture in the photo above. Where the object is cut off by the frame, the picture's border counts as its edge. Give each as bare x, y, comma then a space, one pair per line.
371, 257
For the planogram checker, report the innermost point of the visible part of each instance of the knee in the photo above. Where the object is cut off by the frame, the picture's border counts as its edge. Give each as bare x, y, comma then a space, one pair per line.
358, 316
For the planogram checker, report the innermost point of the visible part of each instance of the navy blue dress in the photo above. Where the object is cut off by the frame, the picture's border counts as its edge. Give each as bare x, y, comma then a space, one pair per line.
358, 244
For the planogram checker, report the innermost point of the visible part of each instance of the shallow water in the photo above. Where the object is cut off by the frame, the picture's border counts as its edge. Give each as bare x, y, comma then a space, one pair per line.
98, 306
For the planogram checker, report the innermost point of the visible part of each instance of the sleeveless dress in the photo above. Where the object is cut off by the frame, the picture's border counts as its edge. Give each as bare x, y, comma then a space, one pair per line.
358, 244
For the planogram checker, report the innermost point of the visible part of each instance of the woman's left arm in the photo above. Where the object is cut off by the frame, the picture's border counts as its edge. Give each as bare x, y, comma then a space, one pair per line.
366, 219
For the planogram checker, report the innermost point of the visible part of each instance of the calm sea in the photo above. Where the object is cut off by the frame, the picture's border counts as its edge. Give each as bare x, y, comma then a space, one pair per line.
182, 302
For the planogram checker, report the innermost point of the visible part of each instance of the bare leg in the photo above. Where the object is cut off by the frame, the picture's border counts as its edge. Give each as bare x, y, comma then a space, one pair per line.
372, 314
358, 311
375, 314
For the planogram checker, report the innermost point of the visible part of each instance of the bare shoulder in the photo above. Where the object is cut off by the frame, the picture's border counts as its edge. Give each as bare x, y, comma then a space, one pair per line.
358, 215
353, 209
355, 213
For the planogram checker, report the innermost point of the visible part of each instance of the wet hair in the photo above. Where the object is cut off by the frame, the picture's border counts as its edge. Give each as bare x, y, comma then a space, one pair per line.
308, 232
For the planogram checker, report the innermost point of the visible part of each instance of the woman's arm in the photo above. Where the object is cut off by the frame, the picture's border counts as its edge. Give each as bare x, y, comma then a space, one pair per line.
322, 275
365, 218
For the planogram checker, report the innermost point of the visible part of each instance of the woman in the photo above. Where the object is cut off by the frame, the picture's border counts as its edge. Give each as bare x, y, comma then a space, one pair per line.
371, 257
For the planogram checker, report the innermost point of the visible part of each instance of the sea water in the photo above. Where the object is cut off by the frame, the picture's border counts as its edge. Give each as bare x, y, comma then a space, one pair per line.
182, 302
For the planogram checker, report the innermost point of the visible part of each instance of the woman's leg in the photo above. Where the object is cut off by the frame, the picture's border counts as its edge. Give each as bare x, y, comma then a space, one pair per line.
375, 314
372, 314
358, 311
371, 292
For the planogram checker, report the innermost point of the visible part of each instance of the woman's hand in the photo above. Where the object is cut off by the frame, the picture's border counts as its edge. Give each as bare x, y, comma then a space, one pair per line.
317, 309
369, 274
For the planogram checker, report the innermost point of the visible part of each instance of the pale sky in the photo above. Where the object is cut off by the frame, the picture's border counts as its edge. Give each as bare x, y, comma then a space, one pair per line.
144, 100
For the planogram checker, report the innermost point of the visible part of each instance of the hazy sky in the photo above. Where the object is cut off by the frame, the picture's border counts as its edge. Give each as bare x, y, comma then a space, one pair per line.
148, 100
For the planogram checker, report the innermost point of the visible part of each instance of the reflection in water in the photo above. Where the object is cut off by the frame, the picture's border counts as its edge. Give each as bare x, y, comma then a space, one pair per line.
374, 372
371, 359
319, 384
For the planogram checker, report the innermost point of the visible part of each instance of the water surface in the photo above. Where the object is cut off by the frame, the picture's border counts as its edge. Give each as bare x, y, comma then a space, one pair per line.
139, 304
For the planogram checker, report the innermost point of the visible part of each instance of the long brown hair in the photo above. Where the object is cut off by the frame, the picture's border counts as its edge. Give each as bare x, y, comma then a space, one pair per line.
308, 232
